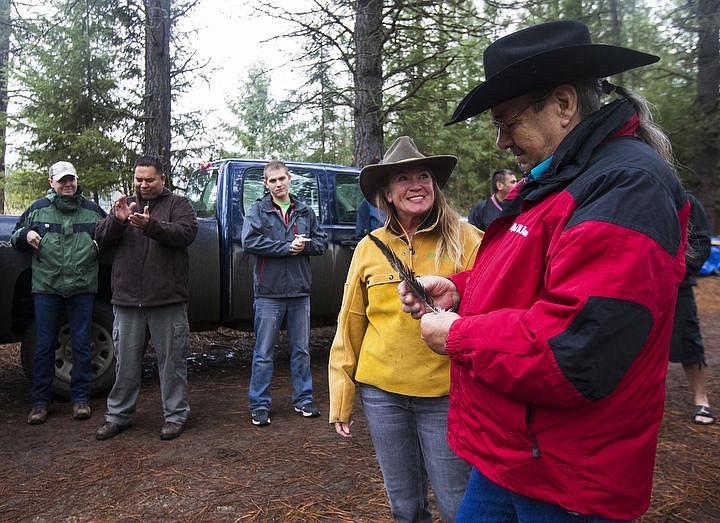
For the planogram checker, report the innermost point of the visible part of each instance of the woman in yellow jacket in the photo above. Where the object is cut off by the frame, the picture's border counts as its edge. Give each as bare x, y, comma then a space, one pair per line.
403, 384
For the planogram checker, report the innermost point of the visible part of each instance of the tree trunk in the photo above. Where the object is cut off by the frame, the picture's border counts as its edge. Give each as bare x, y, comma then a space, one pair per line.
157, 82
707, 142
368, 83
5, 22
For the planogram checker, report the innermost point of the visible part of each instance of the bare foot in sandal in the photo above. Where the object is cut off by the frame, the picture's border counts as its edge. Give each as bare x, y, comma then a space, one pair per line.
702, 415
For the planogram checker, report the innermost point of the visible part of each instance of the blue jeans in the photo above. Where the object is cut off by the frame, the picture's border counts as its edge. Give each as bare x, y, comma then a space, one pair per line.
270, 315
486, 502
50, 311
410, 439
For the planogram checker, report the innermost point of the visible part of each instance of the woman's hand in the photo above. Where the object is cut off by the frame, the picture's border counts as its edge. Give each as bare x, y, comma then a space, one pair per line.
343, 428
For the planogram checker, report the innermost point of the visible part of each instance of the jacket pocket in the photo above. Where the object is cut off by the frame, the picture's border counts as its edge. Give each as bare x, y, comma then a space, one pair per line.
379, 279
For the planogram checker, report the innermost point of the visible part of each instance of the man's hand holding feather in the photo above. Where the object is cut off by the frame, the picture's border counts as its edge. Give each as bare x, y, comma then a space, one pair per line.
434, 329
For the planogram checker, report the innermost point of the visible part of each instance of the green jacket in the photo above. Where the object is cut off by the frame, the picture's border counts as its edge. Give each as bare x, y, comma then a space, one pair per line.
66, 263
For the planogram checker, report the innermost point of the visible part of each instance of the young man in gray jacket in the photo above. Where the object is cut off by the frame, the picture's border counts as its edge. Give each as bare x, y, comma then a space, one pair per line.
283, 233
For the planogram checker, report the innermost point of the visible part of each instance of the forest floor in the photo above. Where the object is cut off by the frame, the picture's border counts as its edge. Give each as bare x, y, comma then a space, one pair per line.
296, 469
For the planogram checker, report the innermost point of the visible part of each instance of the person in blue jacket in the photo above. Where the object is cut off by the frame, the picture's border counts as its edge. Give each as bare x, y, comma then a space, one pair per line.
369, 218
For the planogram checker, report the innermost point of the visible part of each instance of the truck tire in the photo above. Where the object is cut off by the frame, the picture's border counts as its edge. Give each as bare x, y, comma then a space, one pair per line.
103, 354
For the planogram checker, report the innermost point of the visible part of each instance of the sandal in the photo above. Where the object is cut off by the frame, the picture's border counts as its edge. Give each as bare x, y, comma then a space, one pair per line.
703, 411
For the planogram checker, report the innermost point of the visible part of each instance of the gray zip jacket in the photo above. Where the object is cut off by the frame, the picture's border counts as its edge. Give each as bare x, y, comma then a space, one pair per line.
266, 234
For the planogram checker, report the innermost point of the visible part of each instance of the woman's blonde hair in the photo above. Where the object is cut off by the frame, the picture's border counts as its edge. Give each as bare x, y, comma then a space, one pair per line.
448, 226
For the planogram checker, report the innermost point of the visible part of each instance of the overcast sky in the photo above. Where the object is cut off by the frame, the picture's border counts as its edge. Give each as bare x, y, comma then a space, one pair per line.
229, 37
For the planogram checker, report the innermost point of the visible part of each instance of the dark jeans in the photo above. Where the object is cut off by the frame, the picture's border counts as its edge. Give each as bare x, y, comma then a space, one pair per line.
50, 310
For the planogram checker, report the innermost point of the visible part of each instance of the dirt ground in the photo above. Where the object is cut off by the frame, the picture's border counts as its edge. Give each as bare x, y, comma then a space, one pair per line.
224, 469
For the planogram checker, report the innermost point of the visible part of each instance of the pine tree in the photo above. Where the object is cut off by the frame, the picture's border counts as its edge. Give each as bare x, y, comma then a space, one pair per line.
73, 109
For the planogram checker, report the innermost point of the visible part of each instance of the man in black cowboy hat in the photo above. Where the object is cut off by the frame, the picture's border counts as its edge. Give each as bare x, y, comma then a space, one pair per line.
560, 343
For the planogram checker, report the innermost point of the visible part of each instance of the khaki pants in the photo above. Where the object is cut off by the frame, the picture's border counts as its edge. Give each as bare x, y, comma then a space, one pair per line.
169, 332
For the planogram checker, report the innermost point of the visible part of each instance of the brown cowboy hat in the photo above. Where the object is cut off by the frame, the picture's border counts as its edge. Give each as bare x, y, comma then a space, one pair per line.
541, 56
401, 155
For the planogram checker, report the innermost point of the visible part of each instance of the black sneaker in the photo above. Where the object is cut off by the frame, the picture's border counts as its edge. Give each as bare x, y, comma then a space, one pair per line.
309, 410
261, 417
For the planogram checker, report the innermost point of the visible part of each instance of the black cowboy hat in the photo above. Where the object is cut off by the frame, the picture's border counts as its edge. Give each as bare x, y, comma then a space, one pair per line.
541, 56
403, 154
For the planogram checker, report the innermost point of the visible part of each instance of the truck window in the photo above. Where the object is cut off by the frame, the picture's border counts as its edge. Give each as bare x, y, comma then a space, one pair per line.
303, 185
253, 186
348, 197
202, 192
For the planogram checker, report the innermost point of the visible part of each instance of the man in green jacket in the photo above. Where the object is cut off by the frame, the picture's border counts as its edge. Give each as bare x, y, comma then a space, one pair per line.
59, 230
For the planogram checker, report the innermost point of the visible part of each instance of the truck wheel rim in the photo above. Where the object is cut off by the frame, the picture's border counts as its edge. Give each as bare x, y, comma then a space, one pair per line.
100, 344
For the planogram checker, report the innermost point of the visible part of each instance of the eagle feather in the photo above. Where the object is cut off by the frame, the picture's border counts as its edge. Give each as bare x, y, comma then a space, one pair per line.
405, 273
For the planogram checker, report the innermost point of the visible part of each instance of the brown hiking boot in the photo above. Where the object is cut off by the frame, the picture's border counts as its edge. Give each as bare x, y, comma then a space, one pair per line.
108, 430
81, 410
38, 415
171, 430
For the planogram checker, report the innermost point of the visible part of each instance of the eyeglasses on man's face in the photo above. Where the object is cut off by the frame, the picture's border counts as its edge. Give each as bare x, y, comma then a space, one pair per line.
510, 124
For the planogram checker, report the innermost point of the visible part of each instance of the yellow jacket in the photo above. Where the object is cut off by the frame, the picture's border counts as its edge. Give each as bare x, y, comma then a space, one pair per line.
378, 344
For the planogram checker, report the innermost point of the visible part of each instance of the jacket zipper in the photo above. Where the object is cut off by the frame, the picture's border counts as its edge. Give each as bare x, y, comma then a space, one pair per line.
529, 411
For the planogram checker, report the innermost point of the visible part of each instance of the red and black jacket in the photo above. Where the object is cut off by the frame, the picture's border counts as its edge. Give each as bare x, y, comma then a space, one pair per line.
559, 358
